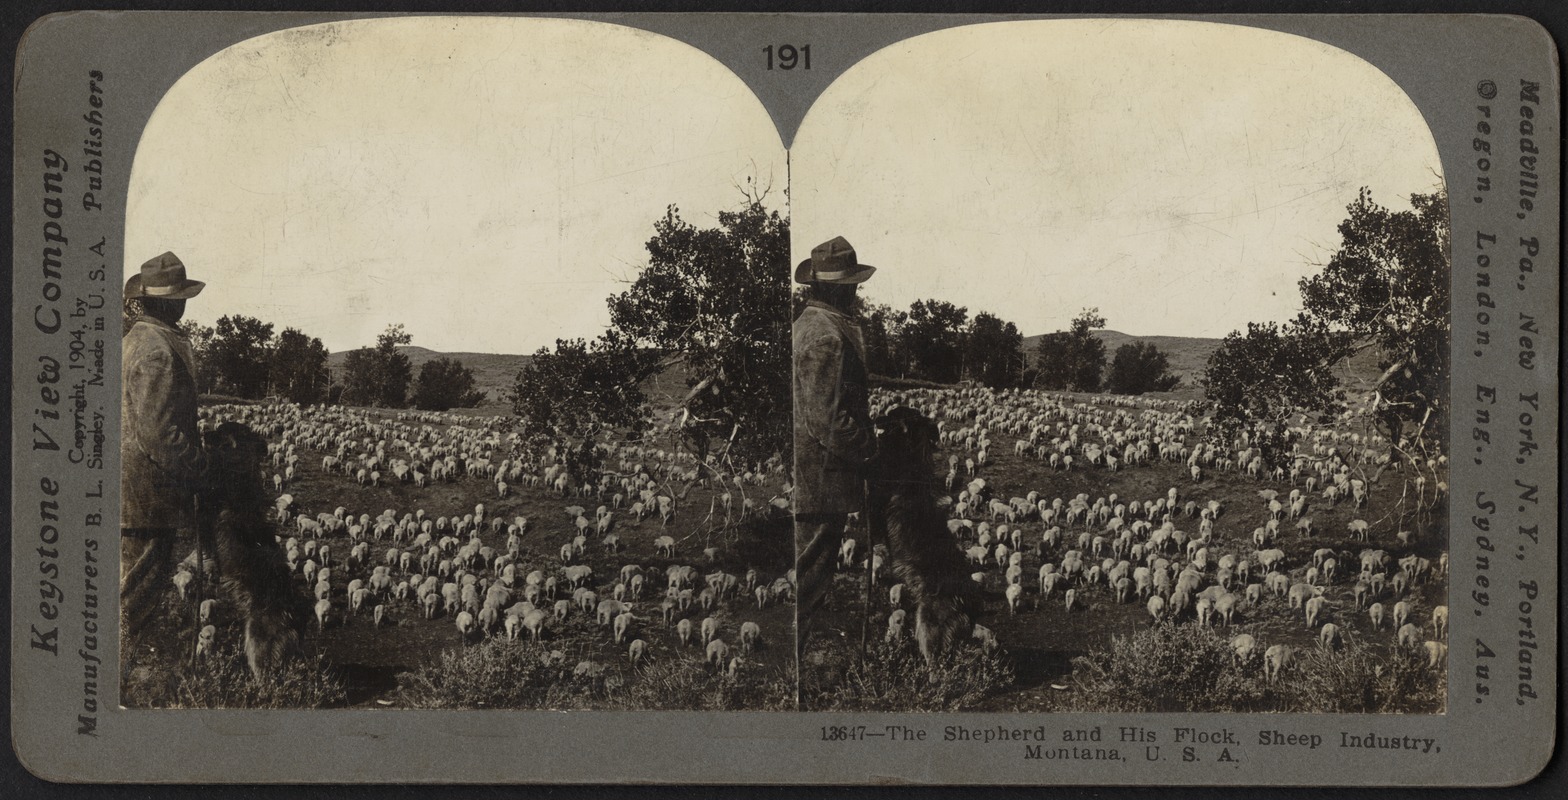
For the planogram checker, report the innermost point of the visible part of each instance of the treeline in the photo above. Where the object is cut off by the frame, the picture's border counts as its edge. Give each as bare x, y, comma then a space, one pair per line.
240, 356
938, 341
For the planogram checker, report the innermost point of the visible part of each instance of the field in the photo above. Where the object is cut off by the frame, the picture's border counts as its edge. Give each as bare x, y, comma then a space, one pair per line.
1111, 654
415, 659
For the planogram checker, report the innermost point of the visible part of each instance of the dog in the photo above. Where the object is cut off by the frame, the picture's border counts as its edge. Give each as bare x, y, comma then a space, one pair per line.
902, 507
233, 520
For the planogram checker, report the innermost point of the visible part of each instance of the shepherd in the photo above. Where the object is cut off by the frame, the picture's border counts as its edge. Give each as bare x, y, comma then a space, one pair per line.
162, 461
835, 439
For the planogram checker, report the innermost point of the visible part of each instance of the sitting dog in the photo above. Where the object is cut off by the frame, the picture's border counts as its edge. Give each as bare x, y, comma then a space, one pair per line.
902, 493
234, 523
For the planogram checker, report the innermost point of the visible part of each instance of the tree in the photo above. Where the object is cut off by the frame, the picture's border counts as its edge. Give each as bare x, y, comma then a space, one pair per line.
201, 346
993, 352
299, 367
933, 336
578, 390
1260, 380
240, 353
1140, 367
379, 376
1387, 288
711, 302
1073, 359
444, 383
882, 328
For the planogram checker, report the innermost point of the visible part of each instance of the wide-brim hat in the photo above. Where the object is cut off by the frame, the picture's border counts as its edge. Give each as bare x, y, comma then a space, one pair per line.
163, 278
833, 261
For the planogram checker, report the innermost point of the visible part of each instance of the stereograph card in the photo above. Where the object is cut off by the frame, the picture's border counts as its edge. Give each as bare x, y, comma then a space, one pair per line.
786, 398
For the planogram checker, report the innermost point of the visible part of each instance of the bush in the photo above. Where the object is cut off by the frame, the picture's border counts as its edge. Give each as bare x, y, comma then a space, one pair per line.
894, 677
223, 680
1167, 667
1190, 668
1356, 680
502, 674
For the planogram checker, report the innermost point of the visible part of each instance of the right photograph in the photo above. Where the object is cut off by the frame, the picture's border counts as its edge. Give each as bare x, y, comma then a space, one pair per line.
1121, 377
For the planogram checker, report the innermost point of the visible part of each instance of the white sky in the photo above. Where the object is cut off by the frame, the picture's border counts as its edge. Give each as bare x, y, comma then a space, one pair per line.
485, 182
1181, 176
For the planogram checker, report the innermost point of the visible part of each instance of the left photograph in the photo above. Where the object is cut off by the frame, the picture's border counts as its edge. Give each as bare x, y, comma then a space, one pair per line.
456, 374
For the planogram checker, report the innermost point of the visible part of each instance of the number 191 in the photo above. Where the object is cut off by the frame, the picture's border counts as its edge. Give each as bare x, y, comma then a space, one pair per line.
788, 56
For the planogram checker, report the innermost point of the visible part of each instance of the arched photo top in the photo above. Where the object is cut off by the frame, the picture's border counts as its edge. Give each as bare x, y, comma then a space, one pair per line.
1180, 176
486, 182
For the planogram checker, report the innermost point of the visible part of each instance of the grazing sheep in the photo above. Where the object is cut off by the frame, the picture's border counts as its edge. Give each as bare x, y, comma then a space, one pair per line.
1204, 608
323, 612
467, 626
205, 640
1440, 621
1014, 593
710, 629
1409, 635
534, 622
683, 632
637, 651
1314, 609
1401, 613
1156, 607
1436, 653
717, 653
1277, 659
1244, 646
895, 626
623, 625
208, 611
1375, 613
750, 636
1330, 637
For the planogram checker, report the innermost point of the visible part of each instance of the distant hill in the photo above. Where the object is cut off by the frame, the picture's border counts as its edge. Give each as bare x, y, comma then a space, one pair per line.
494, 373
1190, 354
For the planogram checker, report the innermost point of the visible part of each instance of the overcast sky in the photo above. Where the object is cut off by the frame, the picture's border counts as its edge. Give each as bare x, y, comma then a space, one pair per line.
1181, 176
486, 182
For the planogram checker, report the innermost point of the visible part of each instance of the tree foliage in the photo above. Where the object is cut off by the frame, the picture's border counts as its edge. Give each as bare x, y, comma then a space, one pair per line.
444, 383
240, 355
380, 375
1259, 380
714, 300
882, 326
1140, 367
932, 335
577, 390
200, 337
299, 367
1074, 359
711, 302
1387, 287
993, 352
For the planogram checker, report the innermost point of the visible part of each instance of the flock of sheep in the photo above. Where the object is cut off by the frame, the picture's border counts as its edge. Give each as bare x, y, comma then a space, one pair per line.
1232, 542
527, 579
